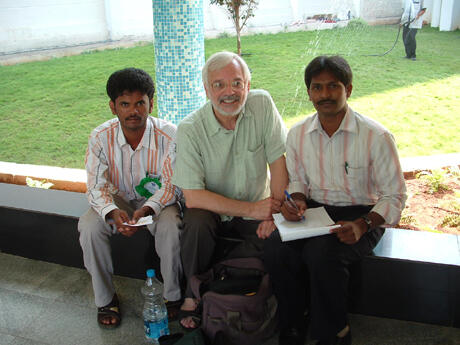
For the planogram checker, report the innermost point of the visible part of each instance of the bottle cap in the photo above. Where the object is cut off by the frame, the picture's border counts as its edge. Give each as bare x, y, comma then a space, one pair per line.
151, 273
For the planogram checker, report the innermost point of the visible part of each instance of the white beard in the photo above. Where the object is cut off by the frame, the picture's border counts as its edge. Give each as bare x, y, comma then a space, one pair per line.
233, 113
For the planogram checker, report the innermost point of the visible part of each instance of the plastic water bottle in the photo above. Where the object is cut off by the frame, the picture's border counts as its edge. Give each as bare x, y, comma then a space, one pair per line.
155, 313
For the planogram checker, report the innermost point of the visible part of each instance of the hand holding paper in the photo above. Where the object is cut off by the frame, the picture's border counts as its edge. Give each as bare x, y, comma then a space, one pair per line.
141, 222
317, 222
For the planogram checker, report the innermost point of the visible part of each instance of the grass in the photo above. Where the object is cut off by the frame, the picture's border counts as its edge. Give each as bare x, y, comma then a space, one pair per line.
49, 108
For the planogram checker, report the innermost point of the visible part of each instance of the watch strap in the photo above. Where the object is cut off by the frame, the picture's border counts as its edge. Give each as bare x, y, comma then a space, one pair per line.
368, 221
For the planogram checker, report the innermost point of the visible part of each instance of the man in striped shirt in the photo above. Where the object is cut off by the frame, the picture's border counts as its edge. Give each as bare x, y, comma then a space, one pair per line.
349, 164
129, 165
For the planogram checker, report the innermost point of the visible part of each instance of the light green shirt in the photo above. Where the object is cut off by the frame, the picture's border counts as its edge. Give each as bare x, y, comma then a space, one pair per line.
232, 163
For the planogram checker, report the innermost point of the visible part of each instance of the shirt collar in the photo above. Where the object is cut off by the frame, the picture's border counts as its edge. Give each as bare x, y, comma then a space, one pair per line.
146, 137
348, 123
213, 126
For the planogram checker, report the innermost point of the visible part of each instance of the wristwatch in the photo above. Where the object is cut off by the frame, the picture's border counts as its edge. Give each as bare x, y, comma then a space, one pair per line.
367, 221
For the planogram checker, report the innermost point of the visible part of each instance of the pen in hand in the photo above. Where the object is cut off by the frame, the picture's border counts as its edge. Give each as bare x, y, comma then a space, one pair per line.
292, 202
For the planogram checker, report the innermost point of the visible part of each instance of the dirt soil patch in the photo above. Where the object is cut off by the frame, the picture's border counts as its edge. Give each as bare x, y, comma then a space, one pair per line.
433, 209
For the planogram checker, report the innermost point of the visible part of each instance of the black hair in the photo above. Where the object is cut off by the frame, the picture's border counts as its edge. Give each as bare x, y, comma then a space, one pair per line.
337, 65
129, 79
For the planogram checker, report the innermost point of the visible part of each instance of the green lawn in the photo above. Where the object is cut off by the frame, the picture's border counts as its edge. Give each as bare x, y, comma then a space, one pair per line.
49, 108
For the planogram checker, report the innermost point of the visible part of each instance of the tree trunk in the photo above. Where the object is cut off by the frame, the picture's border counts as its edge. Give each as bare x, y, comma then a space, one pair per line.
238, 29
238, 42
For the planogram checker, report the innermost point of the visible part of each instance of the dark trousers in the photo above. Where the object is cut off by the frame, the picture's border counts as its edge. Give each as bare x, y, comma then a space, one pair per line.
206, 240
314, 273
409, 41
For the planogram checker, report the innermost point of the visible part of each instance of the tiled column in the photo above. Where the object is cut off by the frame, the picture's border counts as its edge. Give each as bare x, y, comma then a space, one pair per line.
179, 56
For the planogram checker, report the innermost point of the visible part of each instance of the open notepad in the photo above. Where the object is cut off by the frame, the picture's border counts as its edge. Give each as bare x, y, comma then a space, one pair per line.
317, 222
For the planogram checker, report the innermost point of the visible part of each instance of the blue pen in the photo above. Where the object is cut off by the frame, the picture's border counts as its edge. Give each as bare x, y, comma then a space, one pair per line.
292, 202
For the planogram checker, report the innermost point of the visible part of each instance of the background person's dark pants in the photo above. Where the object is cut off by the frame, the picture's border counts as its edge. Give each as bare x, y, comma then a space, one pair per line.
409, 41
203, 231
314, 272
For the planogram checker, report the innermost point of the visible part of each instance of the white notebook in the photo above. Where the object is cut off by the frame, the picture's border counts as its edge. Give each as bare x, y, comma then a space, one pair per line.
317, 222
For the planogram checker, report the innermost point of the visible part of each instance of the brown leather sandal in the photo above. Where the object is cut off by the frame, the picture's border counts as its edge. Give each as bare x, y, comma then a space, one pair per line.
111, 310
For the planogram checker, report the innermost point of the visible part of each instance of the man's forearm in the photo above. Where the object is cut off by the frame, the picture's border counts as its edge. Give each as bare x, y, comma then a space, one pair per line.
207, 200
278, 178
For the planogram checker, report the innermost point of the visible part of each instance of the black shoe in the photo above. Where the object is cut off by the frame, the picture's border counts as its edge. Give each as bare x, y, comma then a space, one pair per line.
346, 340
292, 336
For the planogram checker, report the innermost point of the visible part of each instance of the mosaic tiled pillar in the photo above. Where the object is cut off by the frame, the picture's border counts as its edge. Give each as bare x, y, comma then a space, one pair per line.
179, 56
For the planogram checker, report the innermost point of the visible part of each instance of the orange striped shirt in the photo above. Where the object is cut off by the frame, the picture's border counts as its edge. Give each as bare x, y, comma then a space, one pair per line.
357, 165
113, 167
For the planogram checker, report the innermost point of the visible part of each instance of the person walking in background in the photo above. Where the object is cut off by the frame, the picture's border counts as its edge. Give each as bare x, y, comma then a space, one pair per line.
411, 21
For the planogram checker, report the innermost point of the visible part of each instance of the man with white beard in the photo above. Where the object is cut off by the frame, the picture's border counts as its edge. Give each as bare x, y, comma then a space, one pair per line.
223, 150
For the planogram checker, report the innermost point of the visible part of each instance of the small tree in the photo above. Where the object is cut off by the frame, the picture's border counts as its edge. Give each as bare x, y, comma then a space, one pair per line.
239, 12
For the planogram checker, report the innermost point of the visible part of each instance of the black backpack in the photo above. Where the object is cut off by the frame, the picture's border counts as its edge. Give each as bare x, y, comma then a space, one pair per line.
237, 302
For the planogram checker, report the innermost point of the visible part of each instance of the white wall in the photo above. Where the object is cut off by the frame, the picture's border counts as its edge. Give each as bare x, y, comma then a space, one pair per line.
133, 18
450, 15
275, 15
29, 24
445, 14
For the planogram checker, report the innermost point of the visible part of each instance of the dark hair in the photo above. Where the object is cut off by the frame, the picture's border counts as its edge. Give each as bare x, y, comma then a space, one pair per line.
129, 79
337, 65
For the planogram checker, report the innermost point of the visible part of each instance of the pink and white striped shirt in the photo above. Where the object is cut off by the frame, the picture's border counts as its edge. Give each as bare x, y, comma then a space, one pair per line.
113, 167
357, 165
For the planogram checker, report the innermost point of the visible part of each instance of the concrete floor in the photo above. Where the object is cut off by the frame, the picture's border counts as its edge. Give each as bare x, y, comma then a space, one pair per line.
44, 303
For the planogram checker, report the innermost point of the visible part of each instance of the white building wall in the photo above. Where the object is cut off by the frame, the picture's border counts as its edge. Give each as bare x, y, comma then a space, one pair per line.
450, 15
28, 24
381, 12
126, 19
31, 24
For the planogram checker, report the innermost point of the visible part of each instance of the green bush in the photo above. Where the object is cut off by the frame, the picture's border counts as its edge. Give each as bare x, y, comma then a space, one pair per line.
357, 23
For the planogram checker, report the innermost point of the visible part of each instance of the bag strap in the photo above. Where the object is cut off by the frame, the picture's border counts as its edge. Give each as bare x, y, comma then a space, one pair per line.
197, 280
252, 262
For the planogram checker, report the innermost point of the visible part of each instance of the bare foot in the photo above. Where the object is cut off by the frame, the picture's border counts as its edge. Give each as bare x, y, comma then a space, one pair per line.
190, 304
109, 316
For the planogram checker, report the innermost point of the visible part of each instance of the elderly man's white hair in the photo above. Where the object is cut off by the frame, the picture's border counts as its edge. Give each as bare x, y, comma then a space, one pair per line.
220, 60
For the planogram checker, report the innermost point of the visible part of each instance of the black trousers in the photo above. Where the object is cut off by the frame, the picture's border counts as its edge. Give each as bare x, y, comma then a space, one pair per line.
409, 41
205, 240
314, 273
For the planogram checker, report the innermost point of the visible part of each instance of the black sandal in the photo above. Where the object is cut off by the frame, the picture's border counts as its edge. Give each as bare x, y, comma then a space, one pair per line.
196, 316
110, 310
173, 308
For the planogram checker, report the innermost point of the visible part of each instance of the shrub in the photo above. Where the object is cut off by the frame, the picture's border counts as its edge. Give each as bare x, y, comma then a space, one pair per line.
435, 180
357, 23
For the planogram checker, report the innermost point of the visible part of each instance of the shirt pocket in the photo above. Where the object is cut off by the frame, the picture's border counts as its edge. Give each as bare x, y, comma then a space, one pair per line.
256, 164
357, 175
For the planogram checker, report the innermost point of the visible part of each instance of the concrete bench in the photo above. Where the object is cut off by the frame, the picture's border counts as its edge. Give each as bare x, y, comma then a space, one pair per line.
411, 276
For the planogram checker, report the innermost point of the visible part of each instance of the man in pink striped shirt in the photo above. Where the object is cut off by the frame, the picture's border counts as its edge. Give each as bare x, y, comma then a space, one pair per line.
129, 163
349, 164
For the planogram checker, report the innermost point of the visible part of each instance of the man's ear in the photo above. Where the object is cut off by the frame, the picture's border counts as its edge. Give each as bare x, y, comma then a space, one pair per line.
206, 90
112, 107
249, 85
308, 92
150, 105
349, 88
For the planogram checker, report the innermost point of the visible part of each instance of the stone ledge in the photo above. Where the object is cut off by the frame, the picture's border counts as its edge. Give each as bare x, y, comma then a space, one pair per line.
71, 180
74, 180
